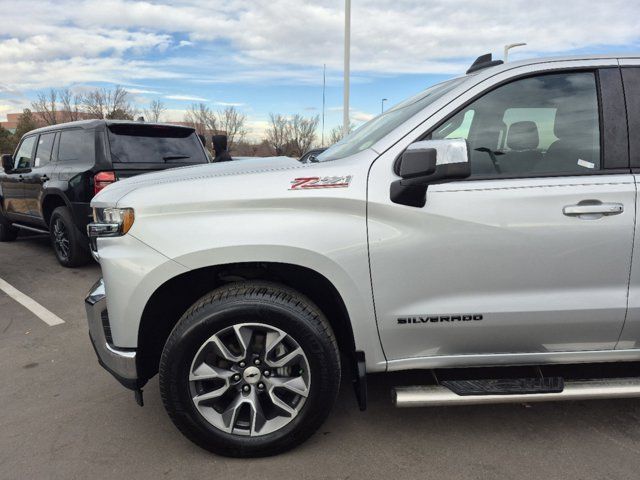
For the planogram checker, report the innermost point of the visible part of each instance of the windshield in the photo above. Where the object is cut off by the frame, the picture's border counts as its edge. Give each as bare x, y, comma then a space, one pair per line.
376, 128
154, 144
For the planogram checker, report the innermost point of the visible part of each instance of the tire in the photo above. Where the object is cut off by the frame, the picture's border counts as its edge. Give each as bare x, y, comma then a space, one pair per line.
8, 233
69, 245
229, 313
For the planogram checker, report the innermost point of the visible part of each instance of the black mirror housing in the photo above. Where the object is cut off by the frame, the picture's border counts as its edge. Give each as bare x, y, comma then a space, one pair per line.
419, 162
7, 162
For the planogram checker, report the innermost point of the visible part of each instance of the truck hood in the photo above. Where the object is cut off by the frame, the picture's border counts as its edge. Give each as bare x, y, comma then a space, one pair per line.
239, 166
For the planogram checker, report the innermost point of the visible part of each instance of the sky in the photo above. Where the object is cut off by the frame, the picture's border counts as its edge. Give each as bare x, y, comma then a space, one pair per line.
267, 56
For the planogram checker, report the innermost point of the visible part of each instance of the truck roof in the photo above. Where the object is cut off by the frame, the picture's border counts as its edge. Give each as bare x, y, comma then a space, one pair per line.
532, 61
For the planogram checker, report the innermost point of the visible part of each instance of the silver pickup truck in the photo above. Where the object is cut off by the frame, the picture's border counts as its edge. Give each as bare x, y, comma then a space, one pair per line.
481, 232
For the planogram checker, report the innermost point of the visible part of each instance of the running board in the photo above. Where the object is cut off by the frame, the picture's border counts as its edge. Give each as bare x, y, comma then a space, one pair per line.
31, 229
436, 395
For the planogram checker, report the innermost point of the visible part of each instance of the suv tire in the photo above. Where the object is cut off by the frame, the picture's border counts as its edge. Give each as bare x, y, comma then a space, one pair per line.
266, 324
69, 245
8, 233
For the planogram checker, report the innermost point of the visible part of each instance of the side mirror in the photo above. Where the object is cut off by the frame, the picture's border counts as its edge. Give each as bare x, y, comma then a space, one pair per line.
426, 163
7, 162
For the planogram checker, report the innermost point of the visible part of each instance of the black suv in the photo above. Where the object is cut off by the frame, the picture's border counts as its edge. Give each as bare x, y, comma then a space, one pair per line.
48, 184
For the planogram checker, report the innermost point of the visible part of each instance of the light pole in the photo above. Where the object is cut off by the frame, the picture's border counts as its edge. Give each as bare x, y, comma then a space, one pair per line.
509, 47
347, 53
382, 104
324, 87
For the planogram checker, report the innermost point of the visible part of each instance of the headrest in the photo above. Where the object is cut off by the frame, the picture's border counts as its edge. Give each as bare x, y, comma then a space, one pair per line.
523, 136
574, 122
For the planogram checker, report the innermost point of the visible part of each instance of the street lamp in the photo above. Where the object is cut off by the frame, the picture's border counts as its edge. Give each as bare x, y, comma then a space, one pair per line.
509, 47
382, 105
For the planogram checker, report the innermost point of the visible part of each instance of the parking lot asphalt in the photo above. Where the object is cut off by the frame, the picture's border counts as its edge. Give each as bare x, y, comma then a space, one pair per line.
63, 417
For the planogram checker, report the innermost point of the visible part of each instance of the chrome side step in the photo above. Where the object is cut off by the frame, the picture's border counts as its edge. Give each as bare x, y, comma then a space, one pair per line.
436, 395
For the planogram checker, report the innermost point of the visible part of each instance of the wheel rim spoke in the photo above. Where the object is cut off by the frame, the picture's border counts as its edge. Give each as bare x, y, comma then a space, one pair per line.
224, 351
295, 385
286, 360
217, 393
207, 372
249, 393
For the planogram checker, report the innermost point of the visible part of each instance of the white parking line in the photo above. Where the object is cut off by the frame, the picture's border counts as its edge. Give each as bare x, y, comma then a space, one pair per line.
42, 313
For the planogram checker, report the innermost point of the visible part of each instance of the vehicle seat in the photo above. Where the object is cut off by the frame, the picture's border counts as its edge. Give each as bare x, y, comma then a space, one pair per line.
575, 133
523, 154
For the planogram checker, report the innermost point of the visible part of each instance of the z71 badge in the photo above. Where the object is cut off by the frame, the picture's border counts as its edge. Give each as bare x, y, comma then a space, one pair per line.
309, 183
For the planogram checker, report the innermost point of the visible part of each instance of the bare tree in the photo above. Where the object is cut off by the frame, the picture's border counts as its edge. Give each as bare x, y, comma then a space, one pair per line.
45, 107
155, 111
71, 105
303, 134
278, 132
337, 133
233, 123
200, 117
112, 104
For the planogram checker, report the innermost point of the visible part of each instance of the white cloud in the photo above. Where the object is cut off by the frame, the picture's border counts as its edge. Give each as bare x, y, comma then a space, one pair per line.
229, 104
142, 91
186, 98
265, 40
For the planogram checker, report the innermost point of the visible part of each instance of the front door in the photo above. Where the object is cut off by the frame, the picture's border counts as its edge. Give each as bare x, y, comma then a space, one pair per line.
529, 255
13, 200
41, 172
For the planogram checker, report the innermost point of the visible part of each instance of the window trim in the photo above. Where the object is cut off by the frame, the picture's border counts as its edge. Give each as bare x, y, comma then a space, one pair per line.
606, 127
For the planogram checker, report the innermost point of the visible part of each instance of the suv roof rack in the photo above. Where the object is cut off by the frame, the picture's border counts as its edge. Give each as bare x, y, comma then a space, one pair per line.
482, 62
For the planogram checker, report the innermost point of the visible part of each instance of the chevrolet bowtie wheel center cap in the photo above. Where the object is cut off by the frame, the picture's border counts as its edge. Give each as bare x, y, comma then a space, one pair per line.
252, 375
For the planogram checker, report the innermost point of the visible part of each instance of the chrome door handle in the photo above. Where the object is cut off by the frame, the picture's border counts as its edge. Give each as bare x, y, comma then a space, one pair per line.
592, 209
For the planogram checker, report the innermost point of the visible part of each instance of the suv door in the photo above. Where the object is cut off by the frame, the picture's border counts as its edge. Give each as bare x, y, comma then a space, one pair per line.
13, 201
41, 172
518, 258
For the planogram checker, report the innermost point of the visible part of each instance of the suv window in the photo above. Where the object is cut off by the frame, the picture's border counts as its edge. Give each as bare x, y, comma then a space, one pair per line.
76, 144
45, 147
154, 144
24, 156
546, 124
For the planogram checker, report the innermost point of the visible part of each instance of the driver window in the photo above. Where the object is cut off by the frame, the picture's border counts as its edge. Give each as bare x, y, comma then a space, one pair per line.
24, 156
535, 126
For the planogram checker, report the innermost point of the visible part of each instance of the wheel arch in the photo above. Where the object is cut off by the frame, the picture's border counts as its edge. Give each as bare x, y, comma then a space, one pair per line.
174, 297
50, 202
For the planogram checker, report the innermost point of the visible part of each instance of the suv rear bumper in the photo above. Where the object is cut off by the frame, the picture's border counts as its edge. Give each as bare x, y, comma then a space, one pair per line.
120, 363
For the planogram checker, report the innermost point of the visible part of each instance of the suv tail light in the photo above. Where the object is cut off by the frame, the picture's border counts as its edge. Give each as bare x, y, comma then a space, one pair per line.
102, 180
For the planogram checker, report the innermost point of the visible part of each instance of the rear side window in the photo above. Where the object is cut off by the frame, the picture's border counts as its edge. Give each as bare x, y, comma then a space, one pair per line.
45, 147
76, 145
154, 144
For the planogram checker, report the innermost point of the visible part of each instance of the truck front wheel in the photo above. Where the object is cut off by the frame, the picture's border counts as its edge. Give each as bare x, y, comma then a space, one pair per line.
251, 369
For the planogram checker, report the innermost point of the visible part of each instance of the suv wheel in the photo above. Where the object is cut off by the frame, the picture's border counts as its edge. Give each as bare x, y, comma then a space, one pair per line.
68, 243
8, 233
252, 369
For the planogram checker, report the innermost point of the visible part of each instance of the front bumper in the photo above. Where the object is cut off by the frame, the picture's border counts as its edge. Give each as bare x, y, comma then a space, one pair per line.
120, 363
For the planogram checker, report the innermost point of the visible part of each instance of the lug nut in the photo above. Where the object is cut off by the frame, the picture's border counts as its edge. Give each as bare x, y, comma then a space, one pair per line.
257, 361
261, 385
267, 373
246, 388
236, 377
242, 364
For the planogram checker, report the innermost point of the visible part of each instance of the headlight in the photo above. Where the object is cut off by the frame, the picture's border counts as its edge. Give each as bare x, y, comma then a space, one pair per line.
111, 222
